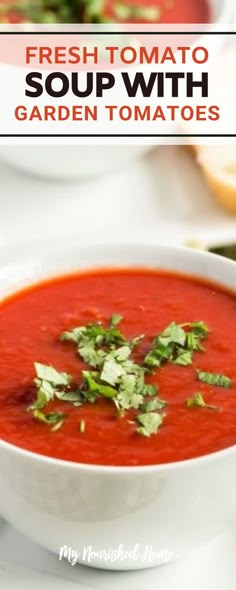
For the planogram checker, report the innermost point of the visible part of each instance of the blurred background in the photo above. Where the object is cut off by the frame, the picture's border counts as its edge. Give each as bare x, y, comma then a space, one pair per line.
161, 196
171, 194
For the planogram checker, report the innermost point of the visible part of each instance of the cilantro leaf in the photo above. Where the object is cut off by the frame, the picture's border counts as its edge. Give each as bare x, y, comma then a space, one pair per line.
111, 372
176, 344
48, 382
173, 334
138, 12
127, 396
214, 379
54, 419
95, 388
184, 358
121, 354
198, 401
94, 341
73, 397
45, 393
115, 320
149, 423
153, 404
48, 373
149, 389
198, 328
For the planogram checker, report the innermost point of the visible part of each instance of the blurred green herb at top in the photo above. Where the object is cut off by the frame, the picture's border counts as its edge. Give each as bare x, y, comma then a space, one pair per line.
57, 11
226, 250
78, 11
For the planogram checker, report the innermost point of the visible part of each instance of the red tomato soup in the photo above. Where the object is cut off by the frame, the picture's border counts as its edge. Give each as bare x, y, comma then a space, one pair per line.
31, 323
161, 11
168, 11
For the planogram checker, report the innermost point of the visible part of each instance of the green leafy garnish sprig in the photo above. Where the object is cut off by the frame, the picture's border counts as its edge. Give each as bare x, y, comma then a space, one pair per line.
177, 344
94, 341
149, 423
197, 400
214, 379
53, 419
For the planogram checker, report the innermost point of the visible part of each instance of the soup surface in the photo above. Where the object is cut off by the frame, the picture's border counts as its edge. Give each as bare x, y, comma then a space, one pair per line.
161, 11
31, 323
168, 11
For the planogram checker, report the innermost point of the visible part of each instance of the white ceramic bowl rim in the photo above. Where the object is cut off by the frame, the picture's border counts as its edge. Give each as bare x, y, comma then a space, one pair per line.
118, 470
226, 11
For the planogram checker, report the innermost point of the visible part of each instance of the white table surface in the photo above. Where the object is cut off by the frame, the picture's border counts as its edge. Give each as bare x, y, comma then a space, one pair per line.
161, 198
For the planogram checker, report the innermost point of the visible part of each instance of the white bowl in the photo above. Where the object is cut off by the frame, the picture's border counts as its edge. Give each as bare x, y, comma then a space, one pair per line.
65, 162
71, 162
169, 509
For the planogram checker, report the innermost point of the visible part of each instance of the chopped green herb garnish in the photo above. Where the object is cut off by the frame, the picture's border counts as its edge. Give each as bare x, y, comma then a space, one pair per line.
198, 328
131, 12
94, 341
45, 393
78, 11
128, 395
112, 371
49, 383
149, 390
114, 374
54, 419
214, 379
117, 377
93, 388
184, 358
47, 373
57, 11
176, 344
115, 320
198, 401
149, 423
153, 404
73, 397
